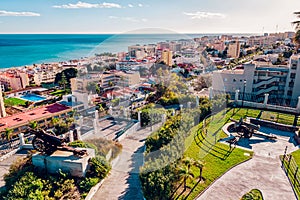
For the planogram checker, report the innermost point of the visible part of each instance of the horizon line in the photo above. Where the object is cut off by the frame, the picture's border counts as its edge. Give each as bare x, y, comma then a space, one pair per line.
114, 33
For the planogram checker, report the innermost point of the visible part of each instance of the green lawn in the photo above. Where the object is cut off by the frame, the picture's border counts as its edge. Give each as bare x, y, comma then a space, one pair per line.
296, 155
254, 194
266, 115
217, 157
60, 92
14, 102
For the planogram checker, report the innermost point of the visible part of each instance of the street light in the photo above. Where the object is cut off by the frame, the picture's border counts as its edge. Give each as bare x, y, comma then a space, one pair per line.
244, 92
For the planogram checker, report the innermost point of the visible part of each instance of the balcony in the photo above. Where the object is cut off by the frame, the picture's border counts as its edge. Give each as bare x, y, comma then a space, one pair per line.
266, 90
266, 82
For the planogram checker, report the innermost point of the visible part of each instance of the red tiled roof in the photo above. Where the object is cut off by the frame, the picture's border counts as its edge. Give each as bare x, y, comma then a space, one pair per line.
31, 115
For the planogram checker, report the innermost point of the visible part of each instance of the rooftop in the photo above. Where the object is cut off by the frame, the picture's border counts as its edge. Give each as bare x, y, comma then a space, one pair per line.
31, 115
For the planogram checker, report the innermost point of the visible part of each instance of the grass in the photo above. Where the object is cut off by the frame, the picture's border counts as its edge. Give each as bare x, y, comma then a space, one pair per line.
296, 156
254, 194
60, 92
265, 115
290, 169
14, 102
217, 157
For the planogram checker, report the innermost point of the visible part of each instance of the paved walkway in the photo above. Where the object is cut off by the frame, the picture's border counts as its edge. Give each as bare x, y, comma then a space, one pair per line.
5, 164
123, 181
262, 172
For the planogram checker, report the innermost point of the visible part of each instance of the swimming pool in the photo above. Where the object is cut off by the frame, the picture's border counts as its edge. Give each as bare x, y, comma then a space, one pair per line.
32, 97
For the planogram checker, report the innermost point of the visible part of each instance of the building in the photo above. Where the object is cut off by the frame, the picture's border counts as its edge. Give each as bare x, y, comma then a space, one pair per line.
175, 47
139, 52
166, 57
2, 107
14, 79
42, 115
279, 81
81, 83
163, 45
234, 49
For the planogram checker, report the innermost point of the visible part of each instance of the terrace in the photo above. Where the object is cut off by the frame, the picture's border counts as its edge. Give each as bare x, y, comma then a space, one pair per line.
41, 115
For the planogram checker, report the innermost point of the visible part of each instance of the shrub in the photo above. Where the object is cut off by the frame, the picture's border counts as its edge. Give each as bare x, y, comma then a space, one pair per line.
99, 167
82, 144
87, 183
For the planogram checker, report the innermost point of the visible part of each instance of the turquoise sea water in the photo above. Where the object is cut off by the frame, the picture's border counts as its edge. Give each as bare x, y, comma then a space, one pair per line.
27, 49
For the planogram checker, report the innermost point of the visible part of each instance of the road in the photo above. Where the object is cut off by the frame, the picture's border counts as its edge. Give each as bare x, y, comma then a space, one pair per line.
123, 181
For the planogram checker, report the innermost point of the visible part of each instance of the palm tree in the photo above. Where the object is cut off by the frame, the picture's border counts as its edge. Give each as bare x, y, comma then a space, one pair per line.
185, 174
33, 124
8, 135
199, 164
63, 81
296, 24
188, 162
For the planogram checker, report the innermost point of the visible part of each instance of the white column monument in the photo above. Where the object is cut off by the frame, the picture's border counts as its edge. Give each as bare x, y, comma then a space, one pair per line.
22, 140
236, 95
110, 110
197, 101
211, 90
298, 105
266, 99
189, 105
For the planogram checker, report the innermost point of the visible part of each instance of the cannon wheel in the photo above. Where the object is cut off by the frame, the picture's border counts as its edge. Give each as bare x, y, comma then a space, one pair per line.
38, 144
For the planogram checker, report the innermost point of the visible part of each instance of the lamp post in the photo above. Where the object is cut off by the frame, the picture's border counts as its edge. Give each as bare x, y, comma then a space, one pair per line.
244, 92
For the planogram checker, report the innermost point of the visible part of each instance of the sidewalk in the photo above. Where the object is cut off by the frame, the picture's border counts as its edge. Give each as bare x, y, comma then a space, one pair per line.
5, 164
262, 172
123, 181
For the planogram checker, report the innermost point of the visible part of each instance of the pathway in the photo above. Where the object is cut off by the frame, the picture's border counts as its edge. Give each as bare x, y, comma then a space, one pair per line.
262, 172
123, 181
5, 164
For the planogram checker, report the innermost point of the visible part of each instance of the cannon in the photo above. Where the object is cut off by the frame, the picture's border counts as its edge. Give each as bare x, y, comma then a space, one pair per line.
247, 129
47, 142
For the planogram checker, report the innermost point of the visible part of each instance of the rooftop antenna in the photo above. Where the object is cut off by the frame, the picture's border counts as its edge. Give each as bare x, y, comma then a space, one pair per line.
277, 28
263, 30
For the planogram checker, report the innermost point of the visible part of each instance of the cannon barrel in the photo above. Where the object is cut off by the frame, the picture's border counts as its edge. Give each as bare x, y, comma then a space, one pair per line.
249, 125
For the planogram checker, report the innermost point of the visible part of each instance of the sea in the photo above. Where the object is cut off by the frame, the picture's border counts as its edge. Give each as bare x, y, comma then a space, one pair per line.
26, 49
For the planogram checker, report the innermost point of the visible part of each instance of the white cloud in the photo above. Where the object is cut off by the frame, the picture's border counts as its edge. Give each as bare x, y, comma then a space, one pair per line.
129, 19
204, 15
130, 5
4, 13
140, 5
80, 4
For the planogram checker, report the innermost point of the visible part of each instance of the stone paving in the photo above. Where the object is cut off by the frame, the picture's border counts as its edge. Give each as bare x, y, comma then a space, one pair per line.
123, 181
5, 164
262, 172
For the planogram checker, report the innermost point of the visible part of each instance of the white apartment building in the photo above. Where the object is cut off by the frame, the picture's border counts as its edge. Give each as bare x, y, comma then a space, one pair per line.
258, 78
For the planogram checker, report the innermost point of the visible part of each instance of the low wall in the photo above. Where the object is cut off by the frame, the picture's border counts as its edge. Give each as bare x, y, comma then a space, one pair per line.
273, 125
131, 130
268, 107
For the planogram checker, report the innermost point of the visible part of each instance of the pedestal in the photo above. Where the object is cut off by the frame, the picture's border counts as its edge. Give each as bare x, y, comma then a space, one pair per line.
64, 161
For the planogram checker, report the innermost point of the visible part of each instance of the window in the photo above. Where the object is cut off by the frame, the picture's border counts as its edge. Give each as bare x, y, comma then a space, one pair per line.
290, 93
291, 84
234, 80
293, 75
294, 66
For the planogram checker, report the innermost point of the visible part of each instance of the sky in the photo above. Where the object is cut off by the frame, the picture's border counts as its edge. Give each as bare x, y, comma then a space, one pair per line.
121, 16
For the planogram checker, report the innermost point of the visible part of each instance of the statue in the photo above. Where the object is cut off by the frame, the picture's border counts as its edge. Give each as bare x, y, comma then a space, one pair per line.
47, 142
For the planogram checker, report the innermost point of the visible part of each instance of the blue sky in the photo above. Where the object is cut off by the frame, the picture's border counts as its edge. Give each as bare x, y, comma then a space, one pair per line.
119, 16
